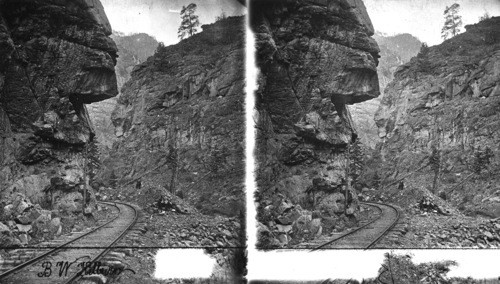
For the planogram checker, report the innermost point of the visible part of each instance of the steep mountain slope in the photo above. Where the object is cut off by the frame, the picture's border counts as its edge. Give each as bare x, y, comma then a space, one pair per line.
180, 120
439, 120
315, 57
394, 51
55, 57
132, 50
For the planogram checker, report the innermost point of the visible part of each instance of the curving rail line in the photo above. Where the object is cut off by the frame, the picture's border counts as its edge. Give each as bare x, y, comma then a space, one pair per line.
88, 247
369, 234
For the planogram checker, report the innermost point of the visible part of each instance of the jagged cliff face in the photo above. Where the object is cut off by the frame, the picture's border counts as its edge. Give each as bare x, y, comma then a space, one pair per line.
449, 99
132, 50
55, 57
315, 57
394, 51
189, 96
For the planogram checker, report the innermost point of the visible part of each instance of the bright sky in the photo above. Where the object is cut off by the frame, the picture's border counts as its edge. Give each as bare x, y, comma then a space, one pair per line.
161, 18
424, 18
421, 18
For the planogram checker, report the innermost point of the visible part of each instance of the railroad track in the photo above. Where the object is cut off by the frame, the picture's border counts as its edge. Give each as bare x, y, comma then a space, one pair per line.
88, 247
368, 234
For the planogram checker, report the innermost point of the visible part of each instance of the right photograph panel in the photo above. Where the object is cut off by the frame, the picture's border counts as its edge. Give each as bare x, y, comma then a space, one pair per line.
377, 129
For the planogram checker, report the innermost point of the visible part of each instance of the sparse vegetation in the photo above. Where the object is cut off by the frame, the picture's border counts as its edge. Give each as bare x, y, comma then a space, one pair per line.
484, 17
452, 22
93, 154
173, 160
482, 158
423, 61
221, 17
399, 268
435, 163
190, 21
357, 162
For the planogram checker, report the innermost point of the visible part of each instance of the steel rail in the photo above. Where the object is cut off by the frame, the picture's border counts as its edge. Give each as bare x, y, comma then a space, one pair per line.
398, 215
349, 233
106, 250
64, 246
373, 204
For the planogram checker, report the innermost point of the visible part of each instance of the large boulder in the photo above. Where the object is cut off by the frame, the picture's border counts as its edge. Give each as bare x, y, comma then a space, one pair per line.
4, 228
8, 210
332, 204
70, 203
265, 238
55, 226
32, 186
41, 226
17, 205
7, 238
306, 228
29, 216
23, 228
23, 238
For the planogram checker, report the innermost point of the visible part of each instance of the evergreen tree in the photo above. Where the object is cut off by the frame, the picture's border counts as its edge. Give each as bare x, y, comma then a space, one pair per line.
190, 22
218, 160
376, 180
356, 160
221, 17
113, 179
482, 158
435, 162
348, 176
452, 21
398, 268
94, 160
423, 61
424, 50
484, 17
160, 49
173, 160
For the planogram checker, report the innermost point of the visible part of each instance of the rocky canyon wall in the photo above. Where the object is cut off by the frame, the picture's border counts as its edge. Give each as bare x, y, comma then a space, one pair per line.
132, 50
394, 51
188, 97
56, 57
443, 108
315, 58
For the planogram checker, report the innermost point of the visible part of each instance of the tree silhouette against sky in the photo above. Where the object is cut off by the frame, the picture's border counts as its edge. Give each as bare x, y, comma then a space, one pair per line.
452, 21
190, 22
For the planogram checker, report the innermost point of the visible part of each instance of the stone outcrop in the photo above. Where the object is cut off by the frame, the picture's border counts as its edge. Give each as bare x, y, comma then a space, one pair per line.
394, 51
442, 108
188, 98
132, 50
315, 58
55, 57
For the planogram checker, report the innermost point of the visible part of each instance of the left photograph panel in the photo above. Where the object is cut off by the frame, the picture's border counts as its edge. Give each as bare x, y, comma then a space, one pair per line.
121, 134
